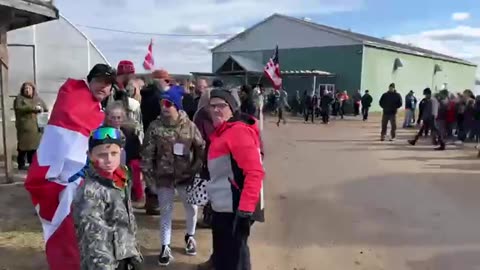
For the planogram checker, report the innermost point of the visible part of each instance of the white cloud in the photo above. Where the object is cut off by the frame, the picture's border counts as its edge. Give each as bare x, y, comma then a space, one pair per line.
461, 41
197, 17
460, 16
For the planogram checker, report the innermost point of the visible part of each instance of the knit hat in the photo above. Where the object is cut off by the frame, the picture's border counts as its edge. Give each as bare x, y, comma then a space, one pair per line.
174, 96
227, 96
105, 135
125, 67
161, 74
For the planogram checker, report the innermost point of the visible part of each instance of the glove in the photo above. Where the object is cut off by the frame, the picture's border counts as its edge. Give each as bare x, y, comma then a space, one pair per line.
241, 224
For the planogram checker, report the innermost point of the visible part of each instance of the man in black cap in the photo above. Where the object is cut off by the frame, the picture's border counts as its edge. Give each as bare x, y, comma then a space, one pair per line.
100, 80
428, 116
366, 104
390, 102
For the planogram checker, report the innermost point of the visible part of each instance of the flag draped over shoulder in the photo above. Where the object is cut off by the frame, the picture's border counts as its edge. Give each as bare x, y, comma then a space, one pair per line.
148, 63
53, 179
272, 70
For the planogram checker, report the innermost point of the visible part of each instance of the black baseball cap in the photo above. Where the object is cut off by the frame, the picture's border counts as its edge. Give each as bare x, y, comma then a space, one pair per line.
102, 71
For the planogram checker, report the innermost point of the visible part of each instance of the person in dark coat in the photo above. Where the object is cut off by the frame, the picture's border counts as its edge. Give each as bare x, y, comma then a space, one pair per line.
189, 103
429, 112
326, 106
247, 104
311, 102
390, 102
357, 99
366, 104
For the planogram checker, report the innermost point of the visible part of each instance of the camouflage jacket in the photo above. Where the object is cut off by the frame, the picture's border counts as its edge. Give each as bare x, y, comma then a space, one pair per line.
104, 222
172, 152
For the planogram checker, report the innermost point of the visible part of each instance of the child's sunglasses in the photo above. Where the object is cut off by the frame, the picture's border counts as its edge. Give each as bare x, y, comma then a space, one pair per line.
103, 133
166, 103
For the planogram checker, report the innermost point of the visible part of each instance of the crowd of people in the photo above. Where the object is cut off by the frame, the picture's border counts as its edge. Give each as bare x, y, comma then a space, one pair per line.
166, 138
160, 139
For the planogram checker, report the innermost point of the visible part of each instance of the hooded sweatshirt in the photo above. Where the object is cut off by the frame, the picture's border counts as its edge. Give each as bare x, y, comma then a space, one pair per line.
235, 166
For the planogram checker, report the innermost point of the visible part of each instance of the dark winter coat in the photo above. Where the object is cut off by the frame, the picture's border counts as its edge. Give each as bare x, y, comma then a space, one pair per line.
390, 102
248, 107
150, 105
326, 103
189, 105
410, 102
367, 101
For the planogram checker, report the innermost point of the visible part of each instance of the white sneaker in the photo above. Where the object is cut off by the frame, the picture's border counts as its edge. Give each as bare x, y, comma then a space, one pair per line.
191, 246
165, 257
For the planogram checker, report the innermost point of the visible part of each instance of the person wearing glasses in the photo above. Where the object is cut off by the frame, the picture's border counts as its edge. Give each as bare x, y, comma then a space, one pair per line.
236, 180
102, 208
172, 154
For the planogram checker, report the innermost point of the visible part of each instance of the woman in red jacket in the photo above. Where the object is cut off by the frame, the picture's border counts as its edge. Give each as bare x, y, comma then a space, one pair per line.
235, 188
451, 118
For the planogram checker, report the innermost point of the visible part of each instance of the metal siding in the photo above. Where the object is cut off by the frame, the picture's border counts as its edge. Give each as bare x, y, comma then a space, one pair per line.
344, 61
61, 53
286, 34
416, 74
218, 59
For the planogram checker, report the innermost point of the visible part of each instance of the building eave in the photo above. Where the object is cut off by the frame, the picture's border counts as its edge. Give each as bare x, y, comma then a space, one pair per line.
29, 12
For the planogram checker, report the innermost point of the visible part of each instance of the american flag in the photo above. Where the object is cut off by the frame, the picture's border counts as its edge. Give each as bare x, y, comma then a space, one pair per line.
54, 177
272, 70
148, 63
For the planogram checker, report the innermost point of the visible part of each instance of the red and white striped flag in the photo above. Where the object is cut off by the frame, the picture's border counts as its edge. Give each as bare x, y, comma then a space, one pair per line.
52, 178
148, 63
272, 70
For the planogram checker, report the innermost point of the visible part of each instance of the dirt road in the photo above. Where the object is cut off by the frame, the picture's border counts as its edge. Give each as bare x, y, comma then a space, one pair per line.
337, 198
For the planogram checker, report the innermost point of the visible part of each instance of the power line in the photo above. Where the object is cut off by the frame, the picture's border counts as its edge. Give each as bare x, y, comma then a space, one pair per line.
153, 34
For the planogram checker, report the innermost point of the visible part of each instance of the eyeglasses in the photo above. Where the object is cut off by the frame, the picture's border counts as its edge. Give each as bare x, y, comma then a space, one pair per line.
220, 106
103, 133
166, 103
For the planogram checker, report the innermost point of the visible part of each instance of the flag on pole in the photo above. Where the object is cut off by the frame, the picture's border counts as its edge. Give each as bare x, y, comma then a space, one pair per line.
53, 176
148, 63
272, 70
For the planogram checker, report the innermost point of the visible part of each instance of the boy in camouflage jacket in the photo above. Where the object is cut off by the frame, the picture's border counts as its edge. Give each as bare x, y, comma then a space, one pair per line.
102, 208
172, 154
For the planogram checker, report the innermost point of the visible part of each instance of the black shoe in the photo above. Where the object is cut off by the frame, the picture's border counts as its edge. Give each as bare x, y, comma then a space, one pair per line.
190, 245
440, 148
412, 142
165, 257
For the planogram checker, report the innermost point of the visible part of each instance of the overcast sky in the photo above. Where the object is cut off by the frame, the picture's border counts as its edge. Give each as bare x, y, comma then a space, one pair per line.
449, 27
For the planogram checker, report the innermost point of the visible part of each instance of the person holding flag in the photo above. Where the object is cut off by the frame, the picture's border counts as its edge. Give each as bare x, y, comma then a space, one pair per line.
56, 171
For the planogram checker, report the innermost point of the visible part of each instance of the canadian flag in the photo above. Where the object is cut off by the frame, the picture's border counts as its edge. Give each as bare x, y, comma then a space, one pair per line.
148, 63
54, 177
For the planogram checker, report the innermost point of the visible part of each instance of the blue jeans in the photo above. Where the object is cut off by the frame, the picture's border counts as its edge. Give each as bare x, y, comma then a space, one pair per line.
408, 118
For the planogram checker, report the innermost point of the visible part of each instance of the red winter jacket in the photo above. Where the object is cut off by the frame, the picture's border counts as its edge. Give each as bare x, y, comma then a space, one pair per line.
236, 169
451, 112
